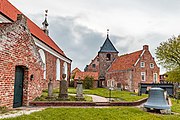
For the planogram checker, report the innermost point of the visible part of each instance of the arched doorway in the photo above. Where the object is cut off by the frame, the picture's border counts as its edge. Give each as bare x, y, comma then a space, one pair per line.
18, 86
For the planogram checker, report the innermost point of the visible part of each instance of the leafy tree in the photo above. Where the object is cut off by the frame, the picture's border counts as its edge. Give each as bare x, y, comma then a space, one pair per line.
88, 82
168, 55
174, 75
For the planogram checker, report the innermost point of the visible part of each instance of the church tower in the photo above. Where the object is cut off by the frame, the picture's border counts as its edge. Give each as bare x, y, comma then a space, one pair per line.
107, 54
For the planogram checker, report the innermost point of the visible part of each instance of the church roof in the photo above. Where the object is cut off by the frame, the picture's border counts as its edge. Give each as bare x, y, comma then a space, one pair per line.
82, 75
126, 61
108, 46
76, 70
8, 10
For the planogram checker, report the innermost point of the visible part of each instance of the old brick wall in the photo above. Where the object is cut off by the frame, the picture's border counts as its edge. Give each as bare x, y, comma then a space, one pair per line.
51, 69
121, 77
17, 48
131, 77
91, 67
147, 58
104, 63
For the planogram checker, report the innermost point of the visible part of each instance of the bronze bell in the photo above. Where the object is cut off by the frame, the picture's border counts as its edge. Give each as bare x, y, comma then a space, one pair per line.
157, 100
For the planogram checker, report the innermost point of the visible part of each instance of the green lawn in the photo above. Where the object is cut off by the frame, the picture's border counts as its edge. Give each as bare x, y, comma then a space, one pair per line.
117, 113
117, 94
175, 106
44, 97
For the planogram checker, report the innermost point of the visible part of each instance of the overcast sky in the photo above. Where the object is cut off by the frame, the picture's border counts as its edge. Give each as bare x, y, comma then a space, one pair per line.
79, 26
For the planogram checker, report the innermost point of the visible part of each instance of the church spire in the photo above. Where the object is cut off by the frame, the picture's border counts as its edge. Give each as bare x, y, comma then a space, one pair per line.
45, 24
108, 46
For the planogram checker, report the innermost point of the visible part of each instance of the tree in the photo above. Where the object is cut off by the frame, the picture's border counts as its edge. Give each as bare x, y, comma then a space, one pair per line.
168, 55
88, 82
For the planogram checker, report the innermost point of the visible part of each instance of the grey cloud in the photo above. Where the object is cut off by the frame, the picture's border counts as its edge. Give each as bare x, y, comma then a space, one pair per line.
81, 43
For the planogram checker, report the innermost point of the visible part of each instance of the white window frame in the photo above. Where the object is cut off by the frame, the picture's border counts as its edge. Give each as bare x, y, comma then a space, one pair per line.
143, 73
58, 69
108, 83
112, 83
142, 64
155, 77
65, 71
43, 58
151, 65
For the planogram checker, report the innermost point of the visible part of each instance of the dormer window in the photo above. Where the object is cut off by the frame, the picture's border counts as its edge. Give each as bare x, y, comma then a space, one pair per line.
142, 64
151, 65
108, 57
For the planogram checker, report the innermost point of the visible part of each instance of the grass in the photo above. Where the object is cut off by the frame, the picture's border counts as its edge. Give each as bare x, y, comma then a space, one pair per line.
116, 94
175, 105
44, 97
117, 113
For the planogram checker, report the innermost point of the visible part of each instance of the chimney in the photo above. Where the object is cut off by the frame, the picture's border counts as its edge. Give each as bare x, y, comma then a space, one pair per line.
145, 47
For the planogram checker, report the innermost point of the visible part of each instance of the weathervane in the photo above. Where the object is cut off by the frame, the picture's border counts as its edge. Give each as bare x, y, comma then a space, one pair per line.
46, 11
107, 32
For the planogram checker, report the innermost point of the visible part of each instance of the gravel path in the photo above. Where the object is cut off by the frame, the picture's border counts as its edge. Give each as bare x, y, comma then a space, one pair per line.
21, 111
98, 98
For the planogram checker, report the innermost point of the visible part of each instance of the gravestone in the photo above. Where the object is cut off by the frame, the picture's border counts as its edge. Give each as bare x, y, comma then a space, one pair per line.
79, 91
63, 88
50, 89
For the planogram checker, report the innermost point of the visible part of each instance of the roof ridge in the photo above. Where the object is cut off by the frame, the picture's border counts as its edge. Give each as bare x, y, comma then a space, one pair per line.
10, 11
130, 53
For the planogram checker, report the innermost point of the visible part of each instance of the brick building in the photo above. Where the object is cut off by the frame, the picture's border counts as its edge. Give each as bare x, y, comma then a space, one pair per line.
82, 75
124, 71
29, 58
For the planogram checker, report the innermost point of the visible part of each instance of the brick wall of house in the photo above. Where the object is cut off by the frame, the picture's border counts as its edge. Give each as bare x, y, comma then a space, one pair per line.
147, 58
17, 48
104, 63
91, 67
121, 78
130, 78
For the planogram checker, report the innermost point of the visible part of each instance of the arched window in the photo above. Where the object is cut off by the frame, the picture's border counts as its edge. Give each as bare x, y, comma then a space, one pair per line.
65, 70
58, 71
108, 57
43, 57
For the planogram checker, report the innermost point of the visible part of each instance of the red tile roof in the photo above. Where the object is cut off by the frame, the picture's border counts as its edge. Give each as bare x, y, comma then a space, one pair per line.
125, 62
11, 12
76, 70
82, 75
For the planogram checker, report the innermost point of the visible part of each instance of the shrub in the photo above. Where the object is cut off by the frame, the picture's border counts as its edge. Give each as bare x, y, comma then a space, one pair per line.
88, 82
71, 83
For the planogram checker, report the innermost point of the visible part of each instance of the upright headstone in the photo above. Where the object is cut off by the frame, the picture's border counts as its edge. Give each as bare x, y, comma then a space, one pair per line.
63, 88
50, 88
79, 91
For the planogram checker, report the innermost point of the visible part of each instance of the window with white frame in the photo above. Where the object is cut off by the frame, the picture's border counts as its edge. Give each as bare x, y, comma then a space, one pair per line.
57, 69
65, 71
143, 76
108, 83
151, 65
112, 83
142, 64
43, 58
155, 77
